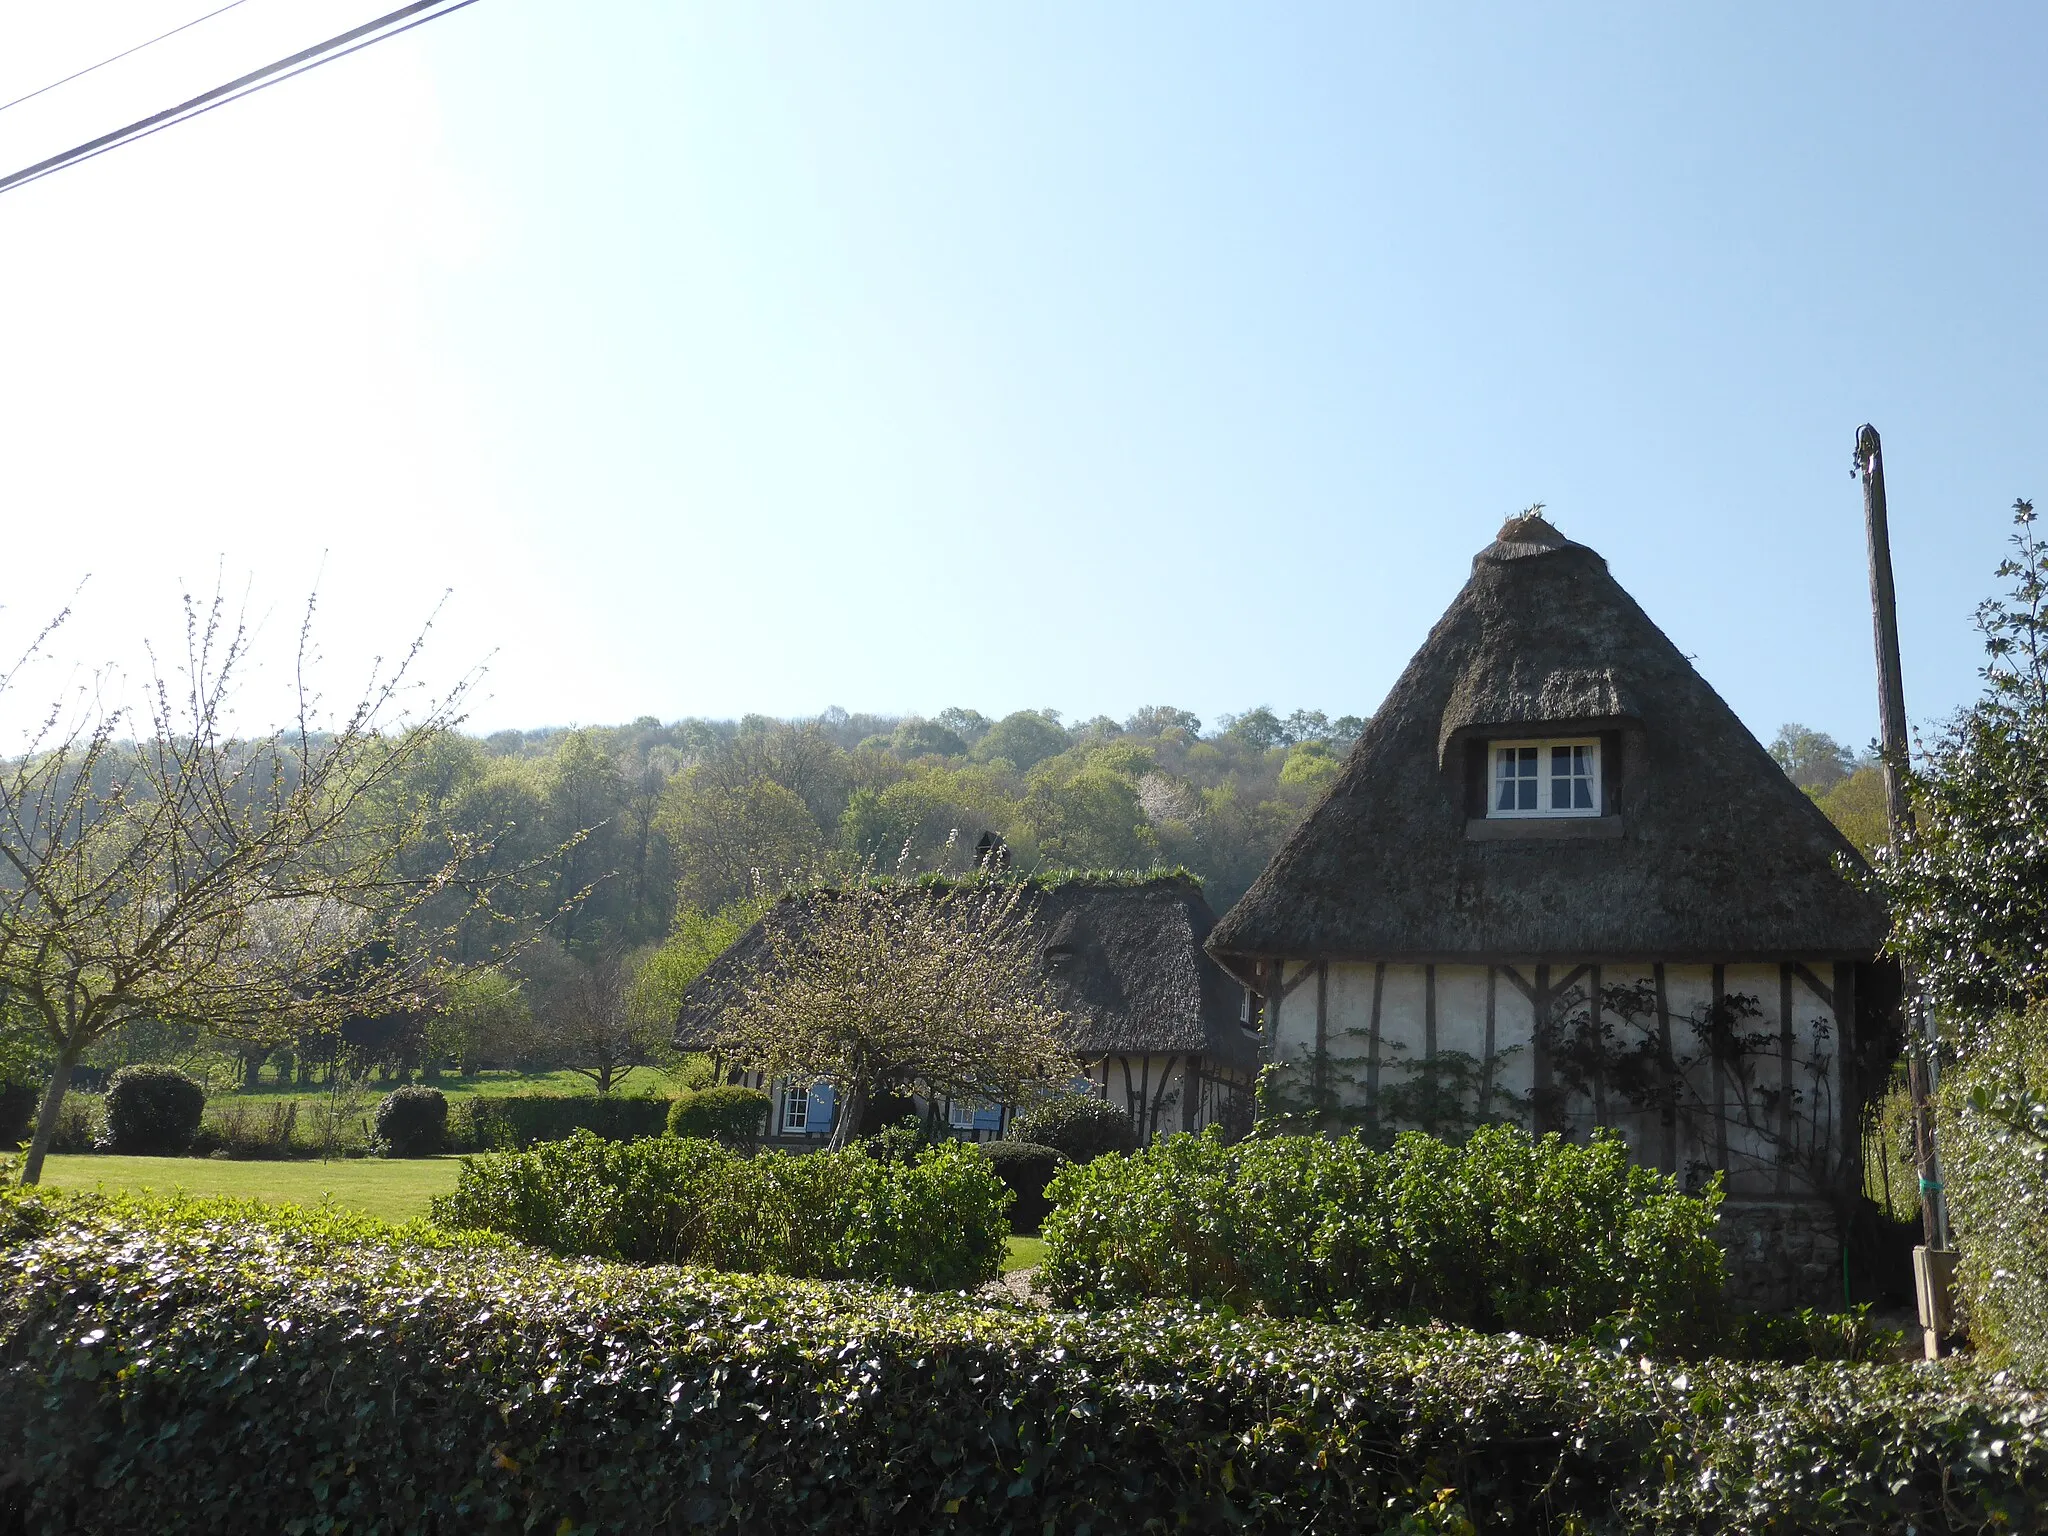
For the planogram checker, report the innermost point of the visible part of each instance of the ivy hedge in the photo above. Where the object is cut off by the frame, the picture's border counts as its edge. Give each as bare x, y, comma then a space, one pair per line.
163, 1364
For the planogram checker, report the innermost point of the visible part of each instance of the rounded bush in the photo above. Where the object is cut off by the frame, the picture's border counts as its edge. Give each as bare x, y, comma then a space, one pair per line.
1027, 1168
729, 1115
153, 1111
412, 1122
1079, 1127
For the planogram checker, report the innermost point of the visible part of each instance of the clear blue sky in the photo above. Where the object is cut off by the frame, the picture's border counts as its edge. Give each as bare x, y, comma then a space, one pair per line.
895, 356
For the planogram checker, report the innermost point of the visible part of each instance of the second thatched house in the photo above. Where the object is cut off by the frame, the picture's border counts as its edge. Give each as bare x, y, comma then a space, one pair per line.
1160, 1030
1558, 882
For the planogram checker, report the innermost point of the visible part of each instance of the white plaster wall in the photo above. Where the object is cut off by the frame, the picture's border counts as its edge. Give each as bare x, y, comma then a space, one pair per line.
1129, 1081
1720, 1122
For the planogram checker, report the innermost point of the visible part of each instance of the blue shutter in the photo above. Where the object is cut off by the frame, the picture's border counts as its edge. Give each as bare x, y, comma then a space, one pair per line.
821, 1108
988, 1119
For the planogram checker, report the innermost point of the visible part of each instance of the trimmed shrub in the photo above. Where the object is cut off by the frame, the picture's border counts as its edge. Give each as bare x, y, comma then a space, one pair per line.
153, 1110
1078, 1127
18, 1105
1542, 1237
412, 1122
1026, 1169
730, 1115
935, 1224
507, 1392
523, 1119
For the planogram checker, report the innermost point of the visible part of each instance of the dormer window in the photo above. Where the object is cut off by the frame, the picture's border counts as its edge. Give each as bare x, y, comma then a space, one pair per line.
1545, 778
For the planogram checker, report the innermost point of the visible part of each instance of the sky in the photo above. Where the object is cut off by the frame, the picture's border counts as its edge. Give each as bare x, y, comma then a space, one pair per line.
687, 359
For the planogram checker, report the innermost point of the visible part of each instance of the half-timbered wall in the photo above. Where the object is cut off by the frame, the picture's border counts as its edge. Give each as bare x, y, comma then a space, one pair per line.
1164, 1093
1701, 1067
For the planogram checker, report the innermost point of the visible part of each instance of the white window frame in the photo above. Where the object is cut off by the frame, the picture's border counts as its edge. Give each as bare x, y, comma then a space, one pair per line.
960, 1115
796, 1111
1544, 746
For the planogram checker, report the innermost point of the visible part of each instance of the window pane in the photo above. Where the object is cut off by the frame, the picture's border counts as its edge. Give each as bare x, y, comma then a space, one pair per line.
1527, 801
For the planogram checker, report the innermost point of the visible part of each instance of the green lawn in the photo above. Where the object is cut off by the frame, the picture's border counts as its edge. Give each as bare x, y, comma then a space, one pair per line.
1025, 1253
395, 1189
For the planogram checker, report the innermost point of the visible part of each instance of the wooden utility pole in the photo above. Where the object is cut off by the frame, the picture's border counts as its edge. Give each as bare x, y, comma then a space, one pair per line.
1934, 1261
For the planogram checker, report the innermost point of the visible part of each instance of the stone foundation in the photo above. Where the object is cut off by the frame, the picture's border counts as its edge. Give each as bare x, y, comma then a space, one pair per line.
1782, 1254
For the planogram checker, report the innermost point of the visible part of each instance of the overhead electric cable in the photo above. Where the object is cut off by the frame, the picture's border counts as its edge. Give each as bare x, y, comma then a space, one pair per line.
247, 85
103, 63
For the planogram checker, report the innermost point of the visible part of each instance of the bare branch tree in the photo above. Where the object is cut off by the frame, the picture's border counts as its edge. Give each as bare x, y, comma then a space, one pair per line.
892, 988
154, 864
592, 1023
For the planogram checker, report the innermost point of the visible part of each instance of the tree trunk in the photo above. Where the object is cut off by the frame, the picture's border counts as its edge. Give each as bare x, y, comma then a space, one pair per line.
849, 1113
46, 1117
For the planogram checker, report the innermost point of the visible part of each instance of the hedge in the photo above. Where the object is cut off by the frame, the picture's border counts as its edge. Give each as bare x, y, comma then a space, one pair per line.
727, 1113
520, 1119
935, 1222
160, 1369
1076, 1126
1993, 1110
1504, 1232
18, 1105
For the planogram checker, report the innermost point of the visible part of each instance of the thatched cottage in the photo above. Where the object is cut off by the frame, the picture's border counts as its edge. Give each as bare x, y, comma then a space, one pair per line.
1558, 882
1161, 1031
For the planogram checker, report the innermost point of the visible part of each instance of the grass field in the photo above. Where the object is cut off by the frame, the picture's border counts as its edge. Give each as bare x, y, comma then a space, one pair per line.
395, 1189
1025, 1253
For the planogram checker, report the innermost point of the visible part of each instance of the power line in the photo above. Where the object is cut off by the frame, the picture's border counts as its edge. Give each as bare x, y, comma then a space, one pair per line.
103, 63
247, 85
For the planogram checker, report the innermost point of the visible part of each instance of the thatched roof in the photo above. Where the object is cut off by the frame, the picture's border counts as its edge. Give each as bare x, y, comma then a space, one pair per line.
1124, 956
1711, 853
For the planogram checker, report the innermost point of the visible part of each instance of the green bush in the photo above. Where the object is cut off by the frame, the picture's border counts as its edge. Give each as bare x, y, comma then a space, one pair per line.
18, 1105
1027, 1169
1503, 1233
153, 1110
1994, 1147
81, 1123
412, 1121
904, 1141
248, 1128
522, 1119
1077, 1126
936, 1223
730, 1115
392, 1383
